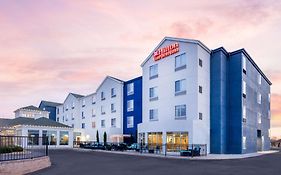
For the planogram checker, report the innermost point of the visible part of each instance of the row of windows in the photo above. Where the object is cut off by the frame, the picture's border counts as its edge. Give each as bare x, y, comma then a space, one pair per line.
180, 63
259, 116
180, 89
180, 113
259, 96
244, 68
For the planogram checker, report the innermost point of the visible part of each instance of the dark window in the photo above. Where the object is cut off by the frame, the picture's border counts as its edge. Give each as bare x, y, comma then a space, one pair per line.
200, 63
244, 71
200, 116
200, 89
259, 133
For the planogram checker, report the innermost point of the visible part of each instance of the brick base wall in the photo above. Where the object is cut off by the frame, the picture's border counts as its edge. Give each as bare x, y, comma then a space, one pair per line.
19, 167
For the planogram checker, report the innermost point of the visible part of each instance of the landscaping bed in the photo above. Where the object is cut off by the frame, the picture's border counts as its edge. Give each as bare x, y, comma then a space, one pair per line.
10, 149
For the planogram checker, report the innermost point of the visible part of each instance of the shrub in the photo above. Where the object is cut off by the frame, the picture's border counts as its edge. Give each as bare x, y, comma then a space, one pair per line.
10, 149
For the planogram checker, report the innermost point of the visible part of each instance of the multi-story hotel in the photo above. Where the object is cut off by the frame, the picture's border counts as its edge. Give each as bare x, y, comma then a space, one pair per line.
188, 94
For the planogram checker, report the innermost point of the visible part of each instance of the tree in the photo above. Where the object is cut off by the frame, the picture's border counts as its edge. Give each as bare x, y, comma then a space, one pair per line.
104, 138
97, 136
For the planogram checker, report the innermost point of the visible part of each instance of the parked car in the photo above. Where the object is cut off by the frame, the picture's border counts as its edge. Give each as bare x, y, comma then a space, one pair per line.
119, 147
134, 146
96, 145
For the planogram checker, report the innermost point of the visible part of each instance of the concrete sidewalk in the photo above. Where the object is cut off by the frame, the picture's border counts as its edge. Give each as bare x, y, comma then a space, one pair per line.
176, 156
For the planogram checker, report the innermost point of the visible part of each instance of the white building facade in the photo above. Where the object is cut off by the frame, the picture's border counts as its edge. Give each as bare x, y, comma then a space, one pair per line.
100, 112
176, 94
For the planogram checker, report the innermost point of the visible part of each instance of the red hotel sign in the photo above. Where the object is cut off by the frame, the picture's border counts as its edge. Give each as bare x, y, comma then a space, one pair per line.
166, 51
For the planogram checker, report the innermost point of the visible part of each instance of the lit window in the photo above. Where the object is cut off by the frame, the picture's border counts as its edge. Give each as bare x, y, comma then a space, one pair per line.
180, 111
259, 79
130, 89
93, 112
93, 124
102, 123
244, 65
180, 86
244, 142
113, 122
130, 122
153, 71
153, 114
244, 113
153, 93
102, 110
113, 93
180, 62
130, 105
259, 118
94, 100
244, 89
259, 98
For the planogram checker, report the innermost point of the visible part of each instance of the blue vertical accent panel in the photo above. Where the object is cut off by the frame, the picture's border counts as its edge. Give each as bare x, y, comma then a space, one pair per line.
219, 102
50, 109
137, 112
235, 105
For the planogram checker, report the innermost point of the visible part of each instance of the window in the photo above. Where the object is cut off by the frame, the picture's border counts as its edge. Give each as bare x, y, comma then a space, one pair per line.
200, 89
72, 125
180, 87
83, 125
269, 98
244, 90
130, 89
33, 137
130, 122
259, 98
93, 124
83, 103
102, 96
52, 137
200, 63
244, 113
244, 142
62, 118
94, 100
66, 118
66, 108
93, 112
73, 105
72, 117
113, 122
130, 105
58, 110
180, 111
259, 118
102, 110
269, 114
112, 107
153, 93
180, 62
259, 133
58, 119
83, 115
153, 71
244, 60
102, 123
64, 137
113, 93
153, 114
200, 116
259, 79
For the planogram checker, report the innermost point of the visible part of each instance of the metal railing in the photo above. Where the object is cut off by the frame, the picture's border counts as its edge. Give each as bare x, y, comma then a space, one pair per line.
22, 147
188, 150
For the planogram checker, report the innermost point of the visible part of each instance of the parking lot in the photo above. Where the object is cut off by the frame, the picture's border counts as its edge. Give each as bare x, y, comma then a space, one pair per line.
72, 162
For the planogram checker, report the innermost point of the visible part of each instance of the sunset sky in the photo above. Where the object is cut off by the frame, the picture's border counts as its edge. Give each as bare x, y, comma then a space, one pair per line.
50, 48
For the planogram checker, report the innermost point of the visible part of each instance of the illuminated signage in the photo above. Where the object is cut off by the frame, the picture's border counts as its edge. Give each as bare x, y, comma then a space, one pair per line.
166, 51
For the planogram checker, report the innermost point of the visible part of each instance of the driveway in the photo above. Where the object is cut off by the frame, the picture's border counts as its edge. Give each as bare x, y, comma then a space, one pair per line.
71, 162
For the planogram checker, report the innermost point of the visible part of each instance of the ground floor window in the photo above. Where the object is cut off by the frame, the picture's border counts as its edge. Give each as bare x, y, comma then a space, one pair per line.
33, 137
155, 138
51, 137
64, 137
141, 138
177, 141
